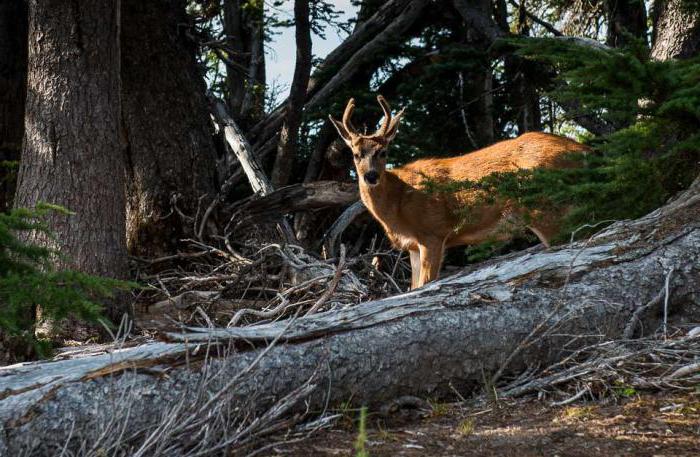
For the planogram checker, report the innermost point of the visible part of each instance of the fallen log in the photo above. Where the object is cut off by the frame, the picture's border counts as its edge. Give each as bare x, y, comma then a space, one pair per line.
491, 320
296, 197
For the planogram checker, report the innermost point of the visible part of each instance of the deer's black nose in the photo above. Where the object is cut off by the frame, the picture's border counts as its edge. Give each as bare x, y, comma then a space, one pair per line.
371, 177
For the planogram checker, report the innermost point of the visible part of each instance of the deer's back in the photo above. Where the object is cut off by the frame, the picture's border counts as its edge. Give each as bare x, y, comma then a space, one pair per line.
530, 150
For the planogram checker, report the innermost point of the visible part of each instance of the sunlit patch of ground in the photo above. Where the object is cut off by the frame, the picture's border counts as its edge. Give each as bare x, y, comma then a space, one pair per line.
644, 425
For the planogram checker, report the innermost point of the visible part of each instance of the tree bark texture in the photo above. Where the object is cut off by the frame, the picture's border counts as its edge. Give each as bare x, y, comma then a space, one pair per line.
429, 342
676, 30
289, 136
13, 91
72, 154
170, 156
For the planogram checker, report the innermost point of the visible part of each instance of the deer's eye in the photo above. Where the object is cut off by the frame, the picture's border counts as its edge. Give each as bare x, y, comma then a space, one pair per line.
382, 153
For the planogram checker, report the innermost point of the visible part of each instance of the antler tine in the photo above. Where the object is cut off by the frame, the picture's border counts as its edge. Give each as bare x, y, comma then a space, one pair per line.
397, 118
387, 115
347, 123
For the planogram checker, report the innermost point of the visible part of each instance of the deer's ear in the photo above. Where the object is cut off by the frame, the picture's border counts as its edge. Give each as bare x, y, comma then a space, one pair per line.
393, 128
342, 131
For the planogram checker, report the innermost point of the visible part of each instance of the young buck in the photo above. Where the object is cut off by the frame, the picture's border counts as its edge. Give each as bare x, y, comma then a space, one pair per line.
426, 223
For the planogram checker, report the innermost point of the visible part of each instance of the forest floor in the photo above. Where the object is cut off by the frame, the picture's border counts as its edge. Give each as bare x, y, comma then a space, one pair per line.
642, 425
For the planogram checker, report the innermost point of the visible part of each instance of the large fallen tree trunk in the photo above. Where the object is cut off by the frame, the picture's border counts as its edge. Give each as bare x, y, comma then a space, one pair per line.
494, 319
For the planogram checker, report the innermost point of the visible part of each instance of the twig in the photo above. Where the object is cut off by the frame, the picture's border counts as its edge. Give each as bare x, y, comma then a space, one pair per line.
666, 297
333, 285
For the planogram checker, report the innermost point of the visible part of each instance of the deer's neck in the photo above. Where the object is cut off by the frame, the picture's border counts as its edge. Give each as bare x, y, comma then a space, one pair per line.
383, 200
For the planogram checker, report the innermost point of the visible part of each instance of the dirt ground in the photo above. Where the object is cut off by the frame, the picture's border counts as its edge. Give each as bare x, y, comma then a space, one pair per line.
639, 426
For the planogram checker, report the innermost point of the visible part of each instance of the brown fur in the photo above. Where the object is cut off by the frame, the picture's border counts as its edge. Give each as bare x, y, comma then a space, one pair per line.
426, 223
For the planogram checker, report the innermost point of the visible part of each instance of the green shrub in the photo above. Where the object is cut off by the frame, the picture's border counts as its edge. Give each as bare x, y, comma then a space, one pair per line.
653, 153
28, 279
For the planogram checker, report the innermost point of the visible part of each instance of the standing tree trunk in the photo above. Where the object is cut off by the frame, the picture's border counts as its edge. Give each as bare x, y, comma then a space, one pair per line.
245, 78
480, 84
72, 154
170, 151
13, 91
676, 30
521, 74
287, 147
625, 17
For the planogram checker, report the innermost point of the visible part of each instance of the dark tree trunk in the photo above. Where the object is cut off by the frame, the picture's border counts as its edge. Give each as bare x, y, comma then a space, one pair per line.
170, 151
480, 83
289, 136
236, 75
72, 153
520, 75
625, 17
245, 79
326, 135
13, 91
676, 30
367, 9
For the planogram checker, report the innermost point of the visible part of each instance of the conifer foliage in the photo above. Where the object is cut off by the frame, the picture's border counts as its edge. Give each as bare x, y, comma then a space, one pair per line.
28, 280
654, 153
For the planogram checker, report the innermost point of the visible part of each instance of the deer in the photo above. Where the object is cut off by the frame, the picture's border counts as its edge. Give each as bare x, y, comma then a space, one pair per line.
427, 223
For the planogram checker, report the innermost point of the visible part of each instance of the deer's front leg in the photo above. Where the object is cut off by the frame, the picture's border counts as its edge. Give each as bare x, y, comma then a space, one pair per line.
431, 254
415, 269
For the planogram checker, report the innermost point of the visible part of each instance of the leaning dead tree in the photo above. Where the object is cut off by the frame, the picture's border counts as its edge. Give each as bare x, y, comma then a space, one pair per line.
487, 324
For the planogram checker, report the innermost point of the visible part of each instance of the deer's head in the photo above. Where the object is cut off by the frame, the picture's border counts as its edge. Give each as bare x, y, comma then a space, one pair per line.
369, 151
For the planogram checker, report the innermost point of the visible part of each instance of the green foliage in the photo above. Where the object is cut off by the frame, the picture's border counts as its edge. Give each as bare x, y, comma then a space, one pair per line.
623, 390
361, 440
27, 279
654, 153
8, 182
466, 427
